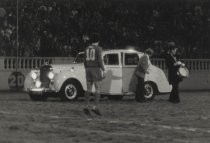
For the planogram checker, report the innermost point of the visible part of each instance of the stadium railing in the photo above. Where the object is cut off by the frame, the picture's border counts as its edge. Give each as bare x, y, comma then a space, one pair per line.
199, 70
27, 63
191, 64
7, 63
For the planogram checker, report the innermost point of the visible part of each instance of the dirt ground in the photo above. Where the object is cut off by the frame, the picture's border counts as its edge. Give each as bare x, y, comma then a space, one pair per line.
126, 121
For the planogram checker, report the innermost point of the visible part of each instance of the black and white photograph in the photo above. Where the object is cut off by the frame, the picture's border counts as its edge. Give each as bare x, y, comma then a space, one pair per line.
104, 71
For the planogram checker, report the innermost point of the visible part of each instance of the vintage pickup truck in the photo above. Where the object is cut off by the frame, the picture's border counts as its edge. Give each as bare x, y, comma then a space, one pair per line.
68, 81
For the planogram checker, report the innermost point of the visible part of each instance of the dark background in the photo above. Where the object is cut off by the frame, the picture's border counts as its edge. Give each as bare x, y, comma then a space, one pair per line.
61, 27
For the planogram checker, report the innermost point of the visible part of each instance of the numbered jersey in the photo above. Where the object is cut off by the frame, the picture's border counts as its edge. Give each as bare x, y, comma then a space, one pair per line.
93, 57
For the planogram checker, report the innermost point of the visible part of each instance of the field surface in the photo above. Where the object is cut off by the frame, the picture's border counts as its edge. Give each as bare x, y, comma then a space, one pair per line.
125, 121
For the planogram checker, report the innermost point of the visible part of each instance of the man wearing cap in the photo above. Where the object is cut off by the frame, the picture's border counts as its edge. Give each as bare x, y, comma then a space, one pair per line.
173, 63
142, 69
94, 72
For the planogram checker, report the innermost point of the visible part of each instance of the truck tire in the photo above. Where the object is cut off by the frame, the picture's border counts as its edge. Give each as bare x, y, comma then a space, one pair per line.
71, 90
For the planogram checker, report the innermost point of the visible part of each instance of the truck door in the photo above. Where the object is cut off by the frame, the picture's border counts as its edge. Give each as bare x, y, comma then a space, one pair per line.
112, 84
130, 61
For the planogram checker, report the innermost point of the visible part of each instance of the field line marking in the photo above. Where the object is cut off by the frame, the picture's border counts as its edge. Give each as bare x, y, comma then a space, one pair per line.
131, 135
165, 126
115, 122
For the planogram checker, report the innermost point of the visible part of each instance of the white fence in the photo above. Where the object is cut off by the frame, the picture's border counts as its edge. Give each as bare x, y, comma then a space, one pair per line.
199, 73
192, 64
14, 79
27, 63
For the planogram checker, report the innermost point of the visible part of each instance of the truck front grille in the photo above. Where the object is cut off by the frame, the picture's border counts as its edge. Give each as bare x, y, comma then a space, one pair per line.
44, 70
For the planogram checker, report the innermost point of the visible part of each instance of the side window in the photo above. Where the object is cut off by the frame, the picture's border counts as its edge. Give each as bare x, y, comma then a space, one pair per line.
79, 58
111, 59
131, 59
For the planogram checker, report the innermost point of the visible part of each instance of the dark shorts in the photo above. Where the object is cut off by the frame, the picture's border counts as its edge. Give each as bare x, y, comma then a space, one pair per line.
93, 74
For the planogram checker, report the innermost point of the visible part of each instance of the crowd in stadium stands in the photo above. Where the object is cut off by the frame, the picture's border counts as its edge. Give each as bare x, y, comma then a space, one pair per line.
61, 27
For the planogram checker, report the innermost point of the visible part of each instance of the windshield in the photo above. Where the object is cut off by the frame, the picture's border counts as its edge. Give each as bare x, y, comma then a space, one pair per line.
79, 58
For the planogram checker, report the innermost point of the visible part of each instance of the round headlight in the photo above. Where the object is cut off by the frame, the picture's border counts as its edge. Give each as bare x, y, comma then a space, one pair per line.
38, 83
51, 75
33, 75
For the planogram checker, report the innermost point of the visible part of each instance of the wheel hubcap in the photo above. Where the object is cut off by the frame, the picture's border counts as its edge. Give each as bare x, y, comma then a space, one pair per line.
148, 91
70, 91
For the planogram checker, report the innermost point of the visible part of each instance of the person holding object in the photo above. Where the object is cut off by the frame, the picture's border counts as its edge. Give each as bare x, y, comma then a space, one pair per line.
142, 69
173, 63
94, 72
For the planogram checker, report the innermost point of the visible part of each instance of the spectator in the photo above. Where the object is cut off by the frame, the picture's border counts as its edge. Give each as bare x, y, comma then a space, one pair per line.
122, 22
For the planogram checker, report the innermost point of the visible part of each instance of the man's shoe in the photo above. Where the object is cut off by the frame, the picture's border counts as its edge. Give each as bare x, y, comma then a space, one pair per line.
174, 101
96, 111
87, 111
141, 100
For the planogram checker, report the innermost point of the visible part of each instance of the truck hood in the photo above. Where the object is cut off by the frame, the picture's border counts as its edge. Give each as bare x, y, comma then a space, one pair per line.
65, 67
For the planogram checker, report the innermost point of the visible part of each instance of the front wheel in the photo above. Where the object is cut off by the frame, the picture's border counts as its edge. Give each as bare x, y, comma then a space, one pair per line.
150, 90
70, 91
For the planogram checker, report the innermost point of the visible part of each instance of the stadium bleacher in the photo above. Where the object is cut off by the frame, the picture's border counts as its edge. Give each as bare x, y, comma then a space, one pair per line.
58, 27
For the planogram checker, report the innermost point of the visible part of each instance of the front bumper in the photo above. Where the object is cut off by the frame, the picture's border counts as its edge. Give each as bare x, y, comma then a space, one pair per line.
40, 91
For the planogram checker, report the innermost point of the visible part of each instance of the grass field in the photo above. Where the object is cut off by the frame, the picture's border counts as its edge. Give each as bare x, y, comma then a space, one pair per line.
126, 121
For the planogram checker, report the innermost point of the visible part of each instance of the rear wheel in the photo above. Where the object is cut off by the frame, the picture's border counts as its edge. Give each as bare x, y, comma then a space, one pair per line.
71, 90
150, 90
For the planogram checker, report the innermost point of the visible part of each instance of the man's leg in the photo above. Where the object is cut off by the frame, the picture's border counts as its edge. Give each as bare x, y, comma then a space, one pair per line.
88, 93
97, 85
87, 98
140, 90
97, 93
171, 97
176, 93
